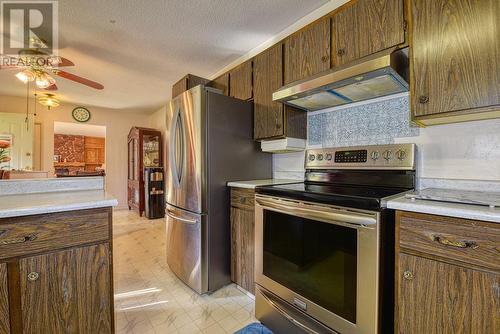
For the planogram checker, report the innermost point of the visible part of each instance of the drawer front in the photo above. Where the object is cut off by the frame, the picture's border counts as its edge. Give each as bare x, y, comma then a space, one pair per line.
460, 240
243, 198
33, 234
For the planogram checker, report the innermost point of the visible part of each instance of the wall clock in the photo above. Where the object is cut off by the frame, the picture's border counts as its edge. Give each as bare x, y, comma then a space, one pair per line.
81, 114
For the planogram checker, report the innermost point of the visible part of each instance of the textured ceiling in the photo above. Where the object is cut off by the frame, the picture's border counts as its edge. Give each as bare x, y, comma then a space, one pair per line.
153, 43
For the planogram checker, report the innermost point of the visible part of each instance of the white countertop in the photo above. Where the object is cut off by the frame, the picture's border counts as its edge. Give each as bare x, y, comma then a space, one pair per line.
255, 183
40, 203
467, 211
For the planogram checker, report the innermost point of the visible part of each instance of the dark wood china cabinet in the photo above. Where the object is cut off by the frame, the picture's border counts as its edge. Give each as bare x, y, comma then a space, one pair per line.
144, 150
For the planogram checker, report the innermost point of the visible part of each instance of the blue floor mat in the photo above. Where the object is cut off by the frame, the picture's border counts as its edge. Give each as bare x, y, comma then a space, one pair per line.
254, 328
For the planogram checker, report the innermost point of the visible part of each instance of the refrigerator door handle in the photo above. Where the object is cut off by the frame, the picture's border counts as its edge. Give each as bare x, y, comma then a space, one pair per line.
174, 145
183, 220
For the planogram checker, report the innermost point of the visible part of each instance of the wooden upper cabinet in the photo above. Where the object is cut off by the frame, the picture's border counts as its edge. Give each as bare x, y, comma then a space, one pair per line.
454, 60
241, 81
366, 27
268, 77
307, 52
186, 83
4, 301
72, 286
222, 83
434, 297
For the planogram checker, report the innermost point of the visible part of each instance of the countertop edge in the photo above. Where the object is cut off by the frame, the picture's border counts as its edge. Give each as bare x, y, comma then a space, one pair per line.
445, 209
9, 213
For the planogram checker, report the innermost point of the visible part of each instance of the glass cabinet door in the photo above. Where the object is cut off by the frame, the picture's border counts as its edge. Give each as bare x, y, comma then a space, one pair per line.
151, 149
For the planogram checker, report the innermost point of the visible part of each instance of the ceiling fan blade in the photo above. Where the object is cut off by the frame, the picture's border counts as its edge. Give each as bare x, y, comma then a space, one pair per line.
76, 78
65, 62
52, 87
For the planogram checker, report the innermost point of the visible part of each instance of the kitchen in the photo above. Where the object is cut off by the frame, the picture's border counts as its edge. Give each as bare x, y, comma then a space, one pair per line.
339, 175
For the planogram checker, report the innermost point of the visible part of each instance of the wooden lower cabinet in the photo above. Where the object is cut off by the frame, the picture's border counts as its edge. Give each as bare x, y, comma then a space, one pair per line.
4, 301
438, 292
433, 298
51, 288
66, 291
242, 238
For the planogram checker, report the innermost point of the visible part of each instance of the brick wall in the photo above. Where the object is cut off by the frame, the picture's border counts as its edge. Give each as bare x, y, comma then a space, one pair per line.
70, 148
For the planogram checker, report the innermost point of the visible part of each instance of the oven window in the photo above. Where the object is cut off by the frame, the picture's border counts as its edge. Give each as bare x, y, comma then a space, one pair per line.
314, 259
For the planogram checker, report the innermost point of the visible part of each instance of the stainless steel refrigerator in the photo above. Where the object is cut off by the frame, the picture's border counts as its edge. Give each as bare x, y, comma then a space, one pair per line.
209, 142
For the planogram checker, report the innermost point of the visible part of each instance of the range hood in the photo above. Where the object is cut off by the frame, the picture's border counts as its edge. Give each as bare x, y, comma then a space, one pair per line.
381, 74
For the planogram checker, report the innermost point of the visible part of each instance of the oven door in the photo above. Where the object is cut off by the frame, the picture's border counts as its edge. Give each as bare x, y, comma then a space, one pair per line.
321, 259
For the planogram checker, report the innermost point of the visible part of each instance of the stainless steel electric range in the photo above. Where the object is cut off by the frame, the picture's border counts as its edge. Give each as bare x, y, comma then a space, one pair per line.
324, 251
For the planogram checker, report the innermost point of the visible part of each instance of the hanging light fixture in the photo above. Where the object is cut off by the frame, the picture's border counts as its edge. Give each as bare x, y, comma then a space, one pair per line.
43, 80
48, 100
26, 76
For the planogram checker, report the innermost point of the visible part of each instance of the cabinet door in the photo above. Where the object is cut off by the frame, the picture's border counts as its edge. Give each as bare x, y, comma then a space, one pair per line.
308, 51
92, 156
268, 77
433, 297
366, 27
4, 301
485, 303
454, 58
242, 248
241, 81
101, 155
221, 83
67, 292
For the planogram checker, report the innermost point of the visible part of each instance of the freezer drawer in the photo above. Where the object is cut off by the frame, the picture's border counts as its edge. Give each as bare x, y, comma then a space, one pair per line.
186, 247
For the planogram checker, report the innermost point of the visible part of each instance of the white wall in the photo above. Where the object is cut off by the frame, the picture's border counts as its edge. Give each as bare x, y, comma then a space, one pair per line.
117, 123
467, 151
22, 139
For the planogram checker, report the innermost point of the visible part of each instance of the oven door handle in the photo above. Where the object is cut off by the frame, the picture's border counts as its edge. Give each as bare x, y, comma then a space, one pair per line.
288, 316
310, 211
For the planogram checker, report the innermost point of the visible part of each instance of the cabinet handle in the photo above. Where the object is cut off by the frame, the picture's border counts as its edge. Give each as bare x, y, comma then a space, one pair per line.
423, 99
19, 240
33, 276
459, 244
408, 275
341, 52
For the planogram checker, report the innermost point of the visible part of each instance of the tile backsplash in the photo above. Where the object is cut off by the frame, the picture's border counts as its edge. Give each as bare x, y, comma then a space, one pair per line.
368, 124
461, 151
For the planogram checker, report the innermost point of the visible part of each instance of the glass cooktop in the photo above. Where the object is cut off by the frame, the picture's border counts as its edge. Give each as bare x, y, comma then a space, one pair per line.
362, 197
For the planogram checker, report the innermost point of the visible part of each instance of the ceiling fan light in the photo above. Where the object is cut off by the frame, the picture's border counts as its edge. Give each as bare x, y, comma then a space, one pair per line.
49, 101
44, 80
26, 76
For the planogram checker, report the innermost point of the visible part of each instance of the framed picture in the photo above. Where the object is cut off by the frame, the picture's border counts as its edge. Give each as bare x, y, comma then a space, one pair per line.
5, 151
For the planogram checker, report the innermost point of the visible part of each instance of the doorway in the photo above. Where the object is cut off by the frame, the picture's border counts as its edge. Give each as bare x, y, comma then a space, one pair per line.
79, 149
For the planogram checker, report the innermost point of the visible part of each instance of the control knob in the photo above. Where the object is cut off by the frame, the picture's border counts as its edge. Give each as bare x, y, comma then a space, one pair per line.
387, 155
320, 157
312, 157
328, 156
401, 155
375, 155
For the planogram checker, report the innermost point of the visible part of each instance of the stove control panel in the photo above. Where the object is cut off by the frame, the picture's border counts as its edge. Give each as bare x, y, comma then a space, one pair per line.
394, 156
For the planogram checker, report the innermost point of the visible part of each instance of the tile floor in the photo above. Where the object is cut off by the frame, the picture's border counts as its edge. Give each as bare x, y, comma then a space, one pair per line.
149, 299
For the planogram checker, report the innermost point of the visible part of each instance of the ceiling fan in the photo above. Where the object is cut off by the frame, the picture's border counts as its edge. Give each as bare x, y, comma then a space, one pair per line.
36, 65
